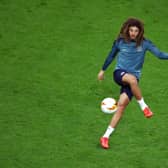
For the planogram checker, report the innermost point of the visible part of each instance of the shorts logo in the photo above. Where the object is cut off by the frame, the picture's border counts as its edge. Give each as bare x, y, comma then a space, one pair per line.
122, 73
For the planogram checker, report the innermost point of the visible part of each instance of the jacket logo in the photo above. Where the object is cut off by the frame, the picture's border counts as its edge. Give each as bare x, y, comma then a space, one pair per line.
139, 49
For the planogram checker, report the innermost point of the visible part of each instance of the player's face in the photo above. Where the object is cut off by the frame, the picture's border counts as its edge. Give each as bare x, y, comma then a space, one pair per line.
133, 32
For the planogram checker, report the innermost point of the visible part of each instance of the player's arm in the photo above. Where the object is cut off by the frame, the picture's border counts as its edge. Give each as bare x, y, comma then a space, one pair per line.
154, 50
108, 60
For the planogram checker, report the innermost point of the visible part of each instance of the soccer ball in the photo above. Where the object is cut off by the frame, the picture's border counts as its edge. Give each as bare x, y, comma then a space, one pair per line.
109, 105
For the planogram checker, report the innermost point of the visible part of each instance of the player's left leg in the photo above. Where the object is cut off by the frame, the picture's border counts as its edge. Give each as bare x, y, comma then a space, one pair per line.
122, 103
132, 81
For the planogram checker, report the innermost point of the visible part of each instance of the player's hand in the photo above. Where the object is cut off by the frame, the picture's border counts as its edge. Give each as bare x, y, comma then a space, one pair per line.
100, 75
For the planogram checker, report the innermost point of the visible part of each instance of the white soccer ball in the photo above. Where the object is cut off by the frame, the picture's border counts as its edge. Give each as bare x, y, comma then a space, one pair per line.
109, 105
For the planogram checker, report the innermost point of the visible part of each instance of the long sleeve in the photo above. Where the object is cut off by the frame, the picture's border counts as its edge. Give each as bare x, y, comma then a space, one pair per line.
111, 56
154, 50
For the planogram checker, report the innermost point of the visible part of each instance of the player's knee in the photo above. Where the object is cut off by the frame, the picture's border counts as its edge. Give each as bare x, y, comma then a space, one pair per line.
122, 105
130, 79
133, 81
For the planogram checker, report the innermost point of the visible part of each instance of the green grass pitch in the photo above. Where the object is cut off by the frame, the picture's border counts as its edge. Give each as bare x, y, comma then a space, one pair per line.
50, 54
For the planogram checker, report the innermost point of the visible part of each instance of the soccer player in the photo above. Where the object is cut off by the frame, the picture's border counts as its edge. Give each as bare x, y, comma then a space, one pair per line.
130, 48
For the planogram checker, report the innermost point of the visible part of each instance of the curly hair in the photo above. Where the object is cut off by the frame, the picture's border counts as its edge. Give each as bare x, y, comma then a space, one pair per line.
124, 32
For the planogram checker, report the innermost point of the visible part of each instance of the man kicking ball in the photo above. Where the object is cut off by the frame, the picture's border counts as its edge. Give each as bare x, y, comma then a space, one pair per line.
129, 49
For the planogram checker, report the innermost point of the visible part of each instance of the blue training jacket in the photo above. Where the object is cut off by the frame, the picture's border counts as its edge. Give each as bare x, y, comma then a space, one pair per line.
130, 57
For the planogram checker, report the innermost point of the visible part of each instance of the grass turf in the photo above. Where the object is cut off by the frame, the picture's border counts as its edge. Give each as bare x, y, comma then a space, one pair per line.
51, 52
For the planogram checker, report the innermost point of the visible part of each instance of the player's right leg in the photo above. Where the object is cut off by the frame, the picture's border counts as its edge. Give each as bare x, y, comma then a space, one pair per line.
122, 103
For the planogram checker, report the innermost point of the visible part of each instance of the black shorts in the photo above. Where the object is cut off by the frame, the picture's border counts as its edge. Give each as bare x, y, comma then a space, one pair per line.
117, 75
